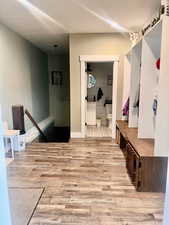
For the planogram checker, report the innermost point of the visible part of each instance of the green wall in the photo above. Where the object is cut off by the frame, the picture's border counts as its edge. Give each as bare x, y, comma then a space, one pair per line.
60, 96
23, 77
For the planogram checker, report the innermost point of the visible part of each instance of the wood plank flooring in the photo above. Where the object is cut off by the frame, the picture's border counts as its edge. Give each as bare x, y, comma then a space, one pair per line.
85, 183
98, 132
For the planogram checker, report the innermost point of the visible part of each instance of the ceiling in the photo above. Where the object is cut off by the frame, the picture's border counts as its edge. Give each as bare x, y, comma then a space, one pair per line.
48, 22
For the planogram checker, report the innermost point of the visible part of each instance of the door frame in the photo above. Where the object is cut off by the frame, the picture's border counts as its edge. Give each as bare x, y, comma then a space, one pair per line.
99, 58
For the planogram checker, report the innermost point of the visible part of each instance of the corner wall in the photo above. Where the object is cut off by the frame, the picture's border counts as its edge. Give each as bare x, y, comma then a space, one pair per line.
23, 77
93, 44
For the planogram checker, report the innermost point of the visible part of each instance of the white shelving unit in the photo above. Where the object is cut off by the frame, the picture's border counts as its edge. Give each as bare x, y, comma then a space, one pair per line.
127, 77
153, 83
140, 70
134, 83
151, 52
162, 121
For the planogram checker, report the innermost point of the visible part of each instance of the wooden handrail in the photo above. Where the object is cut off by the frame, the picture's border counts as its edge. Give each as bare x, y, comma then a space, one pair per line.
36, 125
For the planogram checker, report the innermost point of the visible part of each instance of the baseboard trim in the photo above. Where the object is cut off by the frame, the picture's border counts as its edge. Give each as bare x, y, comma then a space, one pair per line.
33, 133
77, 135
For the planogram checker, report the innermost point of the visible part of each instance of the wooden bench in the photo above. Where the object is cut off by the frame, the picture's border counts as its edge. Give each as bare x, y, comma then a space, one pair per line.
147, 172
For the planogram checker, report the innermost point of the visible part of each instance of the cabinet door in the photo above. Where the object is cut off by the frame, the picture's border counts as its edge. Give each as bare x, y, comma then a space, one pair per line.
138, 175
117, 135
129, 162
123, 143
91, 114
153, 173
132, 159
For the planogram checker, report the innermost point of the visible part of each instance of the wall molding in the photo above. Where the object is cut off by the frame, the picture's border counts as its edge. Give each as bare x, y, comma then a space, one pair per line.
77, 135
33, 133
99, 58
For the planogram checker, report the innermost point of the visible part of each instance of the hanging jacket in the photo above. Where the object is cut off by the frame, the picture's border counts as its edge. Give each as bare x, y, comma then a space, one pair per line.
137, 98
126, 108
99, 94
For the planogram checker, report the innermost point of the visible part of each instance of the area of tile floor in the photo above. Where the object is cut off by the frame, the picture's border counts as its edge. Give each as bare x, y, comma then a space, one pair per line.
98, 132
86, 183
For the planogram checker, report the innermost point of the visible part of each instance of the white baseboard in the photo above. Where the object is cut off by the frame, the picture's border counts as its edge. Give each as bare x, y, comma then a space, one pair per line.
77, 135
33, 133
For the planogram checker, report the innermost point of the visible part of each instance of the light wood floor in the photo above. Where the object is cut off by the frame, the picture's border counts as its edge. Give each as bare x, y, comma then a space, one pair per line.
8, 161
85, 183
98, 132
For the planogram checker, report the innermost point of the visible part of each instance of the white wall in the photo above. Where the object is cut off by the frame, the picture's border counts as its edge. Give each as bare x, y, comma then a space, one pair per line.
60, 96
92, 44
23, 77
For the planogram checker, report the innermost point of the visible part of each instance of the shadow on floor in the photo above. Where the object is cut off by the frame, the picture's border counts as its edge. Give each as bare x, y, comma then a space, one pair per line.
56, 134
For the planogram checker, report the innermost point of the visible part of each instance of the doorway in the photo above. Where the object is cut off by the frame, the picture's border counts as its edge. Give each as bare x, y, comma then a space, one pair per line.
99, 99
88, 129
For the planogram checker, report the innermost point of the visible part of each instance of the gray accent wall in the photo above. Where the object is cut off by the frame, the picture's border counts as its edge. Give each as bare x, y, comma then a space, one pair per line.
23, 77
60, 95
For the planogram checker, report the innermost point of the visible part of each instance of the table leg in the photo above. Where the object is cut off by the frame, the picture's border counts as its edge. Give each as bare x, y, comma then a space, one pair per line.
12, 147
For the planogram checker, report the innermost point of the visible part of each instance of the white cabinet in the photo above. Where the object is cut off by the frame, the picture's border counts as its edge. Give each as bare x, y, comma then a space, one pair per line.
91, 114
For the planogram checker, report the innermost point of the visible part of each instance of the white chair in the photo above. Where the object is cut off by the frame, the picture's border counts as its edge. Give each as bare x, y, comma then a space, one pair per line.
12, 136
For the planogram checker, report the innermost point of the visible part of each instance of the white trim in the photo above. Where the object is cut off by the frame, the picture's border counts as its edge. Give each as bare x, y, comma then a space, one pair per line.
114, 98
76, 135
33, 133
98, 58
83, 95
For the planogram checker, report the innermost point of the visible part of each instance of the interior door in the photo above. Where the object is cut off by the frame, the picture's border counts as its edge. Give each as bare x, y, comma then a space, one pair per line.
5, 218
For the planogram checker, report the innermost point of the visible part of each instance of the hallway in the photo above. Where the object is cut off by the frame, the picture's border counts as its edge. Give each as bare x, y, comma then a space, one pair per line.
85, 183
